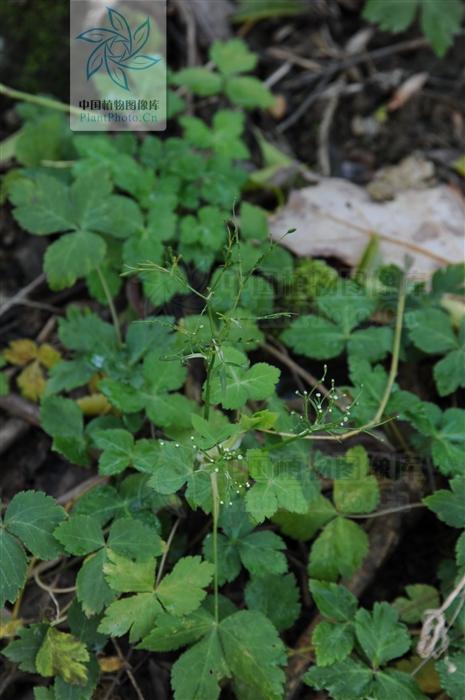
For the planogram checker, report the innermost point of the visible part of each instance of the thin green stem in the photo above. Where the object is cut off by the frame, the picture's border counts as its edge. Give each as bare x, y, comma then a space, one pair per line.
395, 351
111, 305
216, 513
387, 511
38, 100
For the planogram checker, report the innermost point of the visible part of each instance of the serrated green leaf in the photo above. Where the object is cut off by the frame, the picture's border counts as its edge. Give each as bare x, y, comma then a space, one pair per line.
67, 691
172, 467
62, 419
197, 673
135, 614
161, 285
132, 539
275, 487
313, 336
333, 601
85, 628
93, 592
248, 92
232, 56
449, 506
452, 675
23, 651
347, 680
380, 634
303, 526
13, 569
173, 632
277, 597
127, 576
357, 492
420, 598
201, 81
339, 550
62, 655
254, 653
232, 384
333, 642
32, 516
102, 502
117, 454
440, 26
431, 330
80, 535
73, 256
182, 590
43, 205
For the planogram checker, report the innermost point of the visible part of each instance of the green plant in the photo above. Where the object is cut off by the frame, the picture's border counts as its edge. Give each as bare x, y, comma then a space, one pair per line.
185, 423
440, 21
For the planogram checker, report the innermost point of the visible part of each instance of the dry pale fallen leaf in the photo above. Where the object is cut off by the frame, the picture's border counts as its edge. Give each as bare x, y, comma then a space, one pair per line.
407, 90
337, 218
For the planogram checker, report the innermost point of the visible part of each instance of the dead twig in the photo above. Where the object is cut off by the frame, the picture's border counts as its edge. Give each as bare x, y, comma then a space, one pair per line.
12, 431
17, 406
22, 294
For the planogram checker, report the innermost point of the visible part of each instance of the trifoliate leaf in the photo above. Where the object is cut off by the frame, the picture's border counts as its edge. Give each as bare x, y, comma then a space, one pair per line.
380, 634
32, 516
339, 550
260, 552
135, 614
62, 655
420, 598
449, 506
134, 540
128, 576
93, 591
80, 535
182, 590
23, 651
277, 597
232, 56
275, 487
31, 381
333, 601
73, 256
333, 642
232, 384
224, 137
254, 653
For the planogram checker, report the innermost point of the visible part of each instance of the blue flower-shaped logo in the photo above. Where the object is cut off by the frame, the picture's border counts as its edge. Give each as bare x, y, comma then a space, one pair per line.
118, 49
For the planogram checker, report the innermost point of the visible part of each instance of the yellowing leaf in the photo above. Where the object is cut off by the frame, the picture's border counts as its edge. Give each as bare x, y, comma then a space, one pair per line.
62, 655
20, 352
31, 381
94, 405
9, 628
48, 356
110, 664
427, 677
